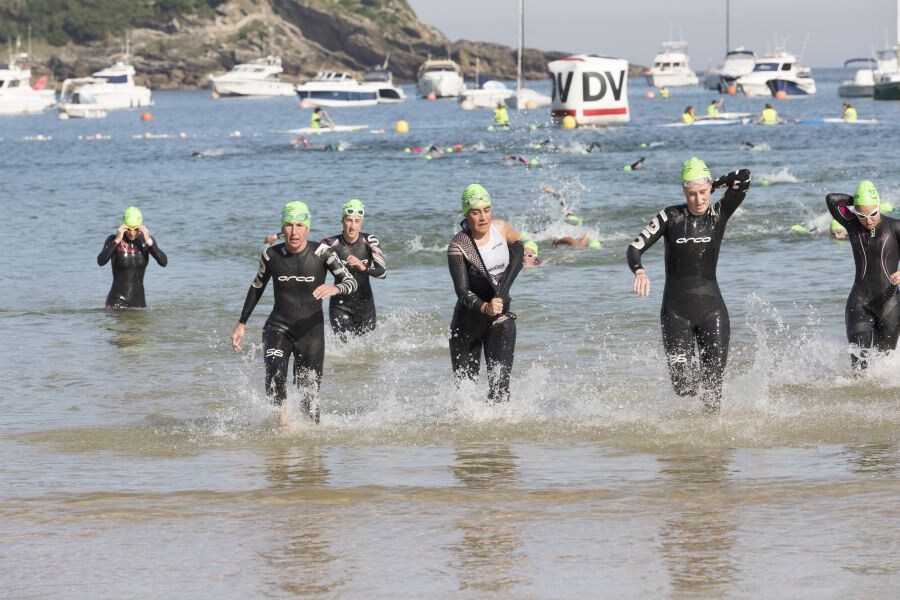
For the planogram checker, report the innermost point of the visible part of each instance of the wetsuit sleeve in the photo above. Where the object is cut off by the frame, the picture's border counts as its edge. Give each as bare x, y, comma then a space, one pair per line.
646, 238
459, 272
346, 283
256, 288
738, 184
838, 207
378, 266
106, 253
160, 256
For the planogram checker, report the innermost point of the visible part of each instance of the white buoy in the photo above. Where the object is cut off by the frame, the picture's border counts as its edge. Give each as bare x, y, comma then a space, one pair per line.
592, 89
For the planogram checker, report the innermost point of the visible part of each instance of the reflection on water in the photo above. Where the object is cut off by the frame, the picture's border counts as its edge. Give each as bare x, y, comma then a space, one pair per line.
490, 547
875, 459
302, 559
128, 327
697, 540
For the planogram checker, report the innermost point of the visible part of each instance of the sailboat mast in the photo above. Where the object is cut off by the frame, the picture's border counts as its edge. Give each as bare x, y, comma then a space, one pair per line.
728, 26
522, 44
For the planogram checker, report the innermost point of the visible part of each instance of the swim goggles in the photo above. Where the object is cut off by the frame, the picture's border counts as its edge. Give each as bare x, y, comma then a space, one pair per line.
354, 211
862, 216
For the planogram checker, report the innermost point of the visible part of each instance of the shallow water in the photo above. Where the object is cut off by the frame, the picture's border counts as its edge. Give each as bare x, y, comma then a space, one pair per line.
138, 456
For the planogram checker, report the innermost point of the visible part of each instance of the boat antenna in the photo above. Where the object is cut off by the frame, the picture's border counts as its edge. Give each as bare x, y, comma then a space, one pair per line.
803, 48
727, 26
29, 39
521, 45
387, 58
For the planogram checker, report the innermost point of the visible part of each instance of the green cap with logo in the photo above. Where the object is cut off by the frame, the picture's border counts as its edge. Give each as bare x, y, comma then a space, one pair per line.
866, 194
531, 245
594, 244
296, 212
132, 217
694, 169
474, 196
353, 207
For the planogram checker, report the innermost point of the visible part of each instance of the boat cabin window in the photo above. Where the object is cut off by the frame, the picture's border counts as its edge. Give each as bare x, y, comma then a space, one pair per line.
13, 83
2, 83
766, 66
115, 78
786, 67
341, 96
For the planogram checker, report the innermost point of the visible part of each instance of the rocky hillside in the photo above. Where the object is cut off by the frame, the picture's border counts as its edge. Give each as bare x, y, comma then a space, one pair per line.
310, 35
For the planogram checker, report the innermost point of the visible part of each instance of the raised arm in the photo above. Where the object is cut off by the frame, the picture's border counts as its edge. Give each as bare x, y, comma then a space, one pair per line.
838, 206
158, 254
378, 266
737, 184
106, 253
459, 272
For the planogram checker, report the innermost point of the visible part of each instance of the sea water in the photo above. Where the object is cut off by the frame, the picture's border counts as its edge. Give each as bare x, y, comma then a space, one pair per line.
139, 457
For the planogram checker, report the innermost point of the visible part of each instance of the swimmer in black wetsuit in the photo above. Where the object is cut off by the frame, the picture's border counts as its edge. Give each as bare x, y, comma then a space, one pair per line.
484, 260
129, 249
872, 314
296, 323
361, 254
693, 311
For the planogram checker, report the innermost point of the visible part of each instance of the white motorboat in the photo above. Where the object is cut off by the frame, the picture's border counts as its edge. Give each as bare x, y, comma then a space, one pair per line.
776, 73
441, 78
863, 83
333, 88
488, 95
260, 77
17, 96
382, 80
112, 88
738, 62
671, 67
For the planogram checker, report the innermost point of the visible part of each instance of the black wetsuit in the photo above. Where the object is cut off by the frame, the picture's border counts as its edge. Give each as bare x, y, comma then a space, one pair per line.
693, 310
296, 323
872, 314
129, 261
471, 330
355, 313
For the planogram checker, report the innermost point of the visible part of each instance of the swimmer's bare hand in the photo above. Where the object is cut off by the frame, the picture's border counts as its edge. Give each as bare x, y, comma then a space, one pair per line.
270, 239
494, 307
641, 284
325, 290
147, 238
120, 232
895, 278
236, 336
357, 263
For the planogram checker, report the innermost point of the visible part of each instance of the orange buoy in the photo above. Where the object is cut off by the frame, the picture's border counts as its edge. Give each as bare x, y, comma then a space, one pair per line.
781, 94
431, 96
146, 116
732, 90
650, 95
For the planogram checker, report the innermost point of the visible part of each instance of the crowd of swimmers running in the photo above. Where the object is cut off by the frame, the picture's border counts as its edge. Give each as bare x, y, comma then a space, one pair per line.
484, 259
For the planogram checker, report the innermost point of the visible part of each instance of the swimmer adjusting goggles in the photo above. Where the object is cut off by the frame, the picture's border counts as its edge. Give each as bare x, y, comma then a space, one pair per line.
862, 216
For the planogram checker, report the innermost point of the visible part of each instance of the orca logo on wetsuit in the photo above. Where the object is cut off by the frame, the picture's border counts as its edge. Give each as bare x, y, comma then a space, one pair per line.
299, 278
696, 240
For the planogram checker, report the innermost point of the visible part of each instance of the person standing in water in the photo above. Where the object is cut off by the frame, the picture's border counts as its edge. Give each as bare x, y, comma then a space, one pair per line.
872, 314
693, 312
360, 252
484, 260
296, 324
129, 249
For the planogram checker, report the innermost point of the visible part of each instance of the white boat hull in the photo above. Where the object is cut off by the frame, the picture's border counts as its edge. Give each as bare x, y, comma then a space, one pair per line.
22, 104
82, 111
111, 99
671, 78
225, 87
525, 99
444, 84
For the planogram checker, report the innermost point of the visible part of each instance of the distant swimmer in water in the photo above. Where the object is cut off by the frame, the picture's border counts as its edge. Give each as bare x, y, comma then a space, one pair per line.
484, 259
693, 317
636, 165
530, 256
872, 314
547, 146
837, 231
583, 241
129, 250
512, 159
594, 146
303, 143
745, 145
296, 324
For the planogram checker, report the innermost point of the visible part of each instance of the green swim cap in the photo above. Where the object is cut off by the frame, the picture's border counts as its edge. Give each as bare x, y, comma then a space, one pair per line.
132, 217
694, 169
799, 228
296, 212
352, 208
474, 196
835, 225
573, 219
626, 168
866, 194
594, 244
524, 236
531, 246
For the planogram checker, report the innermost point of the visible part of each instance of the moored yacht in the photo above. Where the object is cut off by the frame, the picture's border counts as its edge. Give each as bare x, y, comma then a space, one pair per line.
863, 83
382, 80
441, 78
738, 62
333, 88
777, 74
260, 77
112, 88
671, 67
17, 96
